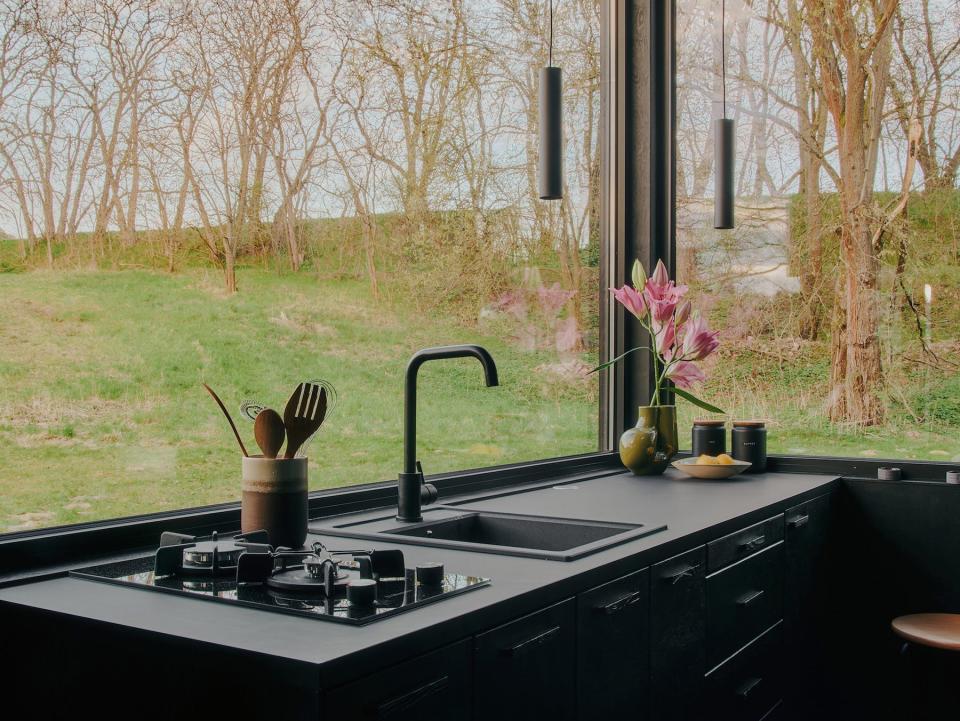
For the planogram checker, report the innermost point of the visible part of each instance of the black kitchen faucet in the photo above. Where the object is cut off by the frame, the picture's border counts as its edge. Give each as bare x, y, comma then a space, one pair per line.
413, 492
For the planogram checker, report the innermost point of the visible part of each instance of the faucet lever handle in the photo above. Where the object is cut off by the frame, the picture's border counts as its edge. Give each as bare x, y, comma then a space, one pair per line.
420, 471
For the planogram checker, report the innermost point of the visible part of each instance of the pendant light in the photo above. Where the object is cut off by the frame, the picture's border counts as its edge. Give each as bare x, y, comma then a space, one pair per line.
723, 144
550, 162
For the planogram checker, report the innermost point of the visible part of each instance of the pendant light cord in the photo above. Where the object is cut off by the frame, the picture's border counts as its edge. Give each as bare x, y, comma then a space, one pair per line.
550, 44
723, 52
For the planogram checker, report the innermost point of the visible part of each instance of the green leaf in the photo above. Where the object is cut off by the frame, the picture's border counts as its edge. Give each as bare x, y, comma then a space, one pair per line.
618, 358
696, 401
638, 275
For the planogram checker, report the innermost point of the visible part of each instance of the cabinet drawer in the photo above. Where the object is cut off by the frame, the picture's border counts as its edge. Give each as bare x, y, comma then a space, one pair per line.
613, 652
526, 669
678, 635
742, 601
435, 685
749, 685
745, 542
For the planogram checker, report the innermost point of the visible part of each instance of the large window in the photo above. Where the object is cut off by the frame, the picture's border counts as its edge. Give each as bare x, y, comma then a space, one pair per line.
838, 292
250, 194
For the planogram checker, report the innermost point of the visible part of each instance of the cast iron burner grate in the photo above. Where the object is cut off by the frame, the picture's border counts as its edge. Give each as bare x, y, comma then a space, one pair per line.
354, 587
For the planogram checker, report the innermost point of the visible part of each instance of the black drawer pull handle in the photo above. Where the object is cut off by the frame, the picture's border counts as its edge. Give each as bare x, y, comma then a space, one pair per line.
747, 687
539, 640
412, 698
621, 603
679, 575
749, 598
798, 521
754, 543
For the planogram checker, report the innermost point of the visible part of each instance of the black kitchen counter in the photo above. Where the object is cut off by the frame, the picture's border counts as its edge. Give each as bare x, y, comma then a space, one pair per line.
324, 654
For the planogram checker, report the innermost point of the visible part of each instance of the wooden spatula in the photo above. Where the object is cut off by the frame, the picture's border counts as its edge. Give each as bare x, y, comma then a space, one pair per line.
303, 415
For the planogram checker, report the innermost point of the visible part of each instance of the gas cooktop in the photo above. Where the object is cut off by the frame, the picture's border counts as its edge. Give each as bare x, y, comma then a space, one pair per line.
350, 586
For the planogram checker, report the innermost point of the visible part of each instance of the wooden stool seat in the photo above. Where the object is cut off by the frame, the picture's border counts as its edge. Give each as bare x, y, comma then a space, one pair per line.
936, 630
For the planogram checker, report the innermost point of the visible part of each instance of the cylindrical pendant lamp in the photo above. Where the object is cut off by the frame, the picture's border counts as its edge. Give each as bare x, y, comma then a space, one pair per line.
550, 164
723, 145
550, 161
723, 180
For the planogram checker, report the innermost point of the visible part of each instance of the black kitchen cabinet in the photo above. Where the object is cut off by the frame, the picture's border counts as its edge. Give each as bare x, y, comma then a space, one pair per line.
526, 669
436, 685
743, 600
748, 686
810, 529
678, 635
613, 651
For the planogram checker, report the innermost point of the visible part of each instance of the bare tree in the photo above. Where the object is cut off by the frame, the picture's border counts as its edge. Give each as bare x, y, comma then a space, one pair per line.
853, 53
927, 69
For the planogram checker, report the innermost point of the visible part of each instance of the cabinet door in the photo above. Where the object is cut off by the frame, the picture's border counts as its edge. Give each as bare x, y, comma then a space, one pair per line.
613, 649
678, 612
526, 669
433, 686
743, 601
747, 686
807, 594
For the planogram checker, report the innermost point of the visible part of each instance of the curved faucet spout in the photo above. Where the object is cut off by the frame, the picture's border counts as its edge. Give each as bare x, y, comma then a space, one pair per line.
409, 507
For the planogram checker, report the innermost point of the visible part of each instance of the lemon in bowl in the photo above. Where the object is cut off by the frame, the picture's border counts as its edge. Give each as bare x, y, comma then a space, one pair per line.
711, 467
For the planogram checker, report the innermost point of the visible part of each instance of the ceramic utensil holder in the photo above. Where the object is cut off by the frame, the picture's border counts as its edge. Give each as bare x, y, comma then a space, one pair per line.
275, 499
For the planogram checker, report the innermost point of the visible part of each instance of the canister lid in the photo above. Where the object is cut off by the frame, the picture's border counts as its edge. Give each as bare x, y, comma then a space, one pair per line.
709, 422
749, 424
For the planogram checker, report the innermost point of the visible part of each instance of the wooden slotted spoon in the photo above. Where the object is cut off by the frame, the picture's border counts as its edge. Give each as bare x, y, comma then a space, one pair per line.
304, 415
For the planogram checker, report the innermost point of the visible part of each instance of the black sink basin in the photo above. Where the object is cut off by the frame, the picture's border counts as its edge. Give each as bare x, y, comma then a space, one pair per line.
557, 539
521, 531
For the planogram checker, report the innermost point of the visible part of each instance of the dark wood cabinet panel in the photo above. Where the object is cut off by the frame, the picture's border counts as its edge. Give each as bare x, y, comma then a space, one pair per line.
743, 600
810, 527
433, 686
678, 616
749, 685
743, 543
613, 651
526, 669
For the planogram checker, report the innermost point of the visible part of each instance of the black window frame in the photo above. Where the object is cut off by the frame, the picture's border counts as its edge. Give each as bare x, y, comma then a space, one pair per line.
637, 222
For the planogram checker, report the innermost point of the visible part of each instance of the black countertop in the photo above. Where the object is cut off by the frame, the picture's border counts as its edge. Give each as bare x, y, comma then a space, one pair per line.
329, 654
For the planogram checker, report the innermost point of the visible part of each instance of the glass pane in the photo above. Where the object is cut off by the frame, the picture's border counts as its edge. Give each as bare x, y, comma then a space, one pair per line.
837, 292
187, 200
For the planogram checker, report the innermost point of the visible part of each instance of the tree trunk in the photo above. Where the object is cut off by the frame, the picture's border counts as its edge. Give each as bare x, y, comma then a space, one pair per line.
229, 268
864, 372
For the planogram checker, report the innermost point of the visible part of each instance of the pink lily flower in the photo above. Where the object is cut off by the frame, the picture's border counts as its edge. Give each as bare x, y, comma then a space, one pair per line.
631, 300
660, 287
662, 310
699, 341
665, 336
685, 374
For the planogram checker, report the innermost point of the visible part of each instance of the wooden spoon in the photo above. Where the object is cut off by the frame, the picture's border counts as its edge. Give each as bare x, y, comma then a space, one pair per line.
229, 419
303, 415
269, 431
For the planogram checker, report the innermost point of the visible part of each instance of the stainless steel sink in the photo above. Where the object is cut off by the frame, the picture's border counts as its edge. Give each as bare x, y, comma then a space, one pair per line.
555, 539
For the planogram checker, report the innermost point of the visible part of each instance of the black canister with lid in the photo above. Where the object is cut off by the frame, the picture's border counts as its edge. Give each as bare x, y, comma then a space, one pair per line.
748, 441
708, 436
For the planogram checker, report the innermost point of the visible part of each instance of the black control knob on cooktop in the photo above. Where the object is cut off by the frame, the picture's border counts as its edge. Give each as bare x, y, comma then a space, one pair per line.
430, 574
362, 592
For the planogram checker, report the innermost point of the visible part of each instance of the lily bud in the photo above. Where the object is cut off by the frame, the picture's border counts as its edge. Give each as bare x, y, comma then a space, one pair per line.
638, 275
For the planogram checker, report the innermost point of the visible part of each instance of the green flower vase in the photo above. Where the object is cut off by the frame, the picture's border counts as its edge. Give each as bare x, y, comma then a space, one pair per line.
648, 448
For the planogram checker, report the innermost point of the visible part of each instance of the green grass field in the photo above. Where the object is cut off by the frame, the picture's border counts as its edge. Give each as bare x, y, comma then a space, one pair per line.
102, 413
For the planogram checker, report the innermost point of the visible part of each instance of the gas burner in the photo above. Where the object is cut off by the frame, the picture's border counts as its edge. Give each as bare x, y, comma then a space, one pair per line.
185, 555
346, 586
318, 571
